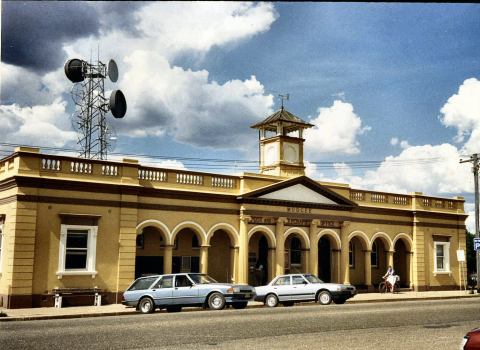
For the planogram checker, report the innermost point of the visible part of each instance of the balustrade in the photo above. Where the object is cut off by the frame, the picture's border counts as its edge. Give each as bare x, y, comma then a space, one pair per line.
357, 196
379, 198
81, 168
109, 170
190, 179
152, 175
224, 182
402, 200
50, 164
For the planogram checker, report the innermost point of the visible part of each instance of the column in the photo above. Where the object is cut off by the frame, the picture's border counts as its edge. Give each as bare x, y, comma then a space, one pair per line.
234, 263
280, 249
345, 263
204, 258
305, 260
167, 258
336, 264
368, 271
390, 259
419, 266
243, 249
408, 282
271, 263
313, 265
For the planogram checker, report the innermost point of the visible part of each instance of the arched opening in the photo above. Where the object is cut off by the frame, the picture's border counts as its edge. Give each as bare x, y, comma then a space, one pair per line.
186, 251
296, 260
378, 260
400, 263
149, 252
219, 257
324, 259
258, 256
357, 246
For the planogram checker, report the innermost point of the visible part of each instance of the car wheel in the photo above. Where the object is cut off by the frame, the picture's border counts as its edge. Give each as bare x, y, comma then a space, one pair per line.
271, 300
239, 306
146, 306
324, 298
340, 301
288, 303
174, 309
216, 301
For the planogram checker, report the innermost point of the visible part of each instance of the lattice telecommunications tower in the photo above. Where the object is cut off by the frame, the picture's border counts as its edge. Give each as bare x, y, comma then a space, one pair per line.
95, 137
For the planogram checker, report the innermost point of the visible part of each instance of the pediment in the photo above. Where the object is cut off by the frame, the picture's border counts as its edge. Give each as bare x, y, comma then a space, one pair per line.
300, 191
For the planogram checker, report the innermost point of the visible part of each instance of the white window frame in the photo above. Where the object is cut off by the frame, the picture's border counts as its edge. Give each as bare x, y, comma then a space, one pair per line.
91, 251
446, 257
2, 248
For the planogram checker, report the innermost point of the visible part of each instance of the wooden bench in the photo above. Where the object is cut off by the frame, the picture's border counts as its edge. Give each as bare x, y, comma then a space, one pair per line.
77, 292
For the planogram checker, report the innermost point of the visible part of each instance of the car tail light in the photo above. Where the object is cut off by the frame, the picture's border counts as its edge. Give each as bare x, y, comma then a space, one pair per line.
123, 297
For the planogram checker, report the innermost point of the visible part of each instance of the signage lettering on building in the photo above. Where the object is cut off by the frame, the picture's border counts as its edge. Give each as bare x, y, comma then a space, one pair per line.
260, 220
299, 210
298, 222
328, 224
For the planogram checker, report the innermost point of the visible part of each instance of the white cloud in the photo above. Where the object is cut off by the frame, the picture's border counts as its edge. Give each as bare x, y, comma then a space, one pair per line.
462, 111
38, 125
25, 88
340, 95
183, 103
405, 144
200, 25
162, 99
335, 132
394, 141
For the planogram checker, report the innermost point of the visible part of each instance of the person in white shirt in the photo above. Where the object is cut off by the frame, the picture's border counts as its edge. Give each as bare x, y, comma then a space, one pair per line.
391, 278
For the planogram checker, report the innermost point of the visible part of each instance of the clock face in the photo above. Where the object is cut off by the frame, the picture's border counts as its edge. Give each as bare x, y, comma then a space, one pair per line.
290, 154
271, 155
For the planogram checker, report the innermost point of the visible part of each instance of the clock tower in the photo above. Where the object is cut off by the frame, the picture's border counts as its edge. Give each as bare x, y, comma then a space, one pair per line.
281, 154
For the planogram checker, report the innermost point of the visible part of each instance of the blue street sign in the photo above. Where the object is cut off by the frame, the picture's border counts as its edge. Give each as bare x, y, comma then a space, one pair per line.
476, 243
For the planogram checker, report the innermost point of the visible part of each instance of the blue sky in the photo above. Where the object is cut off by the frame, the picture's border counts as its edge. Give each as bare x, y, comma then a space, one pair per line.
393, 83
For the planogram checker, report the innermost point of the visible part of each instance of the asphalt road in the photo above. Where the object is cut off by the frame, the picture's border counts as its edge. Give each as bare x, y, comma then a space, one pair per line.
435, 325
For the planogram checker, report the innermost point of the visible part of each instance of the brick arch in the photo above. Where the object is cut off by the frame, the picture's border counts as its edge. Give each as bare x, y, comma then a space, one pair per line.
229, 229
272, 241
164, 231
405, 238
302, 234
362, 235
196, 228
385, 239
330, 233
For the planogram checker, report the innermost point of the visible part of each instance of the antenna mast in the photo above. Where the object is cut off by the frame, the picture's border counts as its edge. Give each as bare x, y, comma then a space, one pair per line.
95, 138
287, 97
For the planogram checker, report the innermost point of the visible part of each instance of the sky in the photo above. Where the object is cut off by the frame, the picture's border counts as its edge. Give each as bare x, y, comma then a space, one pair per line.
393, 90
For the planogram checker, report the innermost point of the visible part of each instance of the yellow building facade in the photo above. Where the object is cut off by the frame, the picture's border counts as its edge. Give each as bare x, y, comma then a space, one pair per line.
67, 222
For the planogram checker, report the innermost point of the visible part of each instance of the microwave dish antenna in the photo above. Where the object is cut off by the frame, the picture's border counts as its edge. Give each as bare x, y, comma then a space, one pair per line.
112, 71
95, 138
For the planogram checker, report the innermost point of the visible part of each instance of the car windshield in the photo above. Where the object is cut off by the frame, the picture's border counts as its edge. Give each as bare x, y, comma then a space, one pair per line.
202, 279
142, 283
312, 279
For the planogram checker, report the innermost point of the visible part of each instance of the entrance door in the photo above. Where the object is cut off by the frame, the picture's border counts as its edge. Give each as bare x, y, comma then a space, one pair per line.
195, 264
148, 265
324, 259
176, 264
263, 258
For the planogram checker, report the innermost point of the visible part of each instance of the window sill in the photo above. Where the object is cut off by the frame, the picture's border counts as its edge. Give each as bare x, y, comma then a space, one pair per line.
60, 274
442, 273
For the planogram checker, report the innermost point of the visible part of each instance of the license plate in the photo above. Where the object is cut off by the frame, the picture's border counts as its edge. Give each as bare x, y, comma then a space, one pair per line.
247, 295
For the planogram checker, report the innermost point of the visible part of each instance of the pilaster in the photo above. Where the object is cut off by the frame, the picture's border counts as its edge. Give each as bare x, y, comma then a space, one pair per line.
280, 249
344, 264
204, 258
167, 258
313, 265
243, 249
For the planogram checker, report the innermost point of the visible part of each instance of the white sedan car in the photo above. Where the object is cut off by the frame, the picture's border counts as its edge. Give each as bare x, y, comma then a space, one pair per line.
294, 288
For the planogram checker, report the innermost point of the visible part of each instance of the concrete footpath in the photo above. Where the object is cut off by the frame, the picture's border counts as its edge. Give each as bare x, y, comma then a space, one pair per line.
118, 309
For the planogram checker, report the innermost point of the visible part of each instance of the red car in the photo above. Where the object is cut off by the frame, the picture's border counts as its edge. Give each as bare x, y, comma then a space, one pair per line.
472, 340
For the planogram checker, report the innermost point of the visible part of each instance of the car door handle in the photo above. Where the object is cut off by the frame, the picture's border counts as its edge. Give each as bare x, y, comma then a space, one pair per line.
154, 290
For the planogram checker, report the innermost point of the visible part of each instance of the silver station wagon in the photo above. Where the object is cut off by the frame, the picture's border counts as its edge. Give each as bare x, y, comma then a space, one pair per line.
172, 292
290, 289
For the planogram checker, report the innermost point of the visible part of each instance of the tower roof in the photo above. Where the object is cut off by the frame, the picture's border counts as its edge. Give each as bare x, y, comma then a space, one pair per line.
290, 122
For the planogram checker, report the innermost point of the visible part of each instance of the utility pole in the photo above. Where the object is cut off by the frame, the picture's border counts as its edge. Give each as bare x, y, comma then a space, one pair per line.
474, 160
